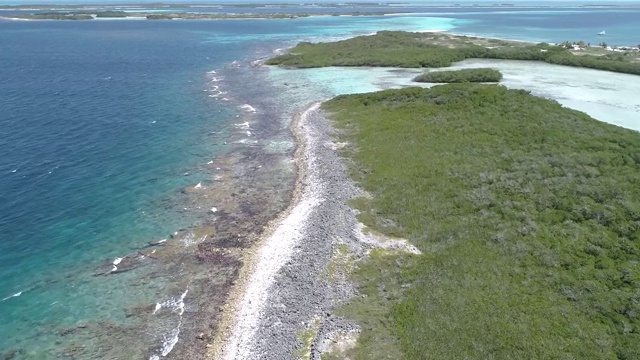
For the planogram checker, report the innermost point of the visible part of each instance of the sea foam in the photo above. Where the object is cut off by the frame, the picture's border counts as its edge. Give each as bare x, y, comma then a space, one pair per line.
170, 339
248, 108
12, 296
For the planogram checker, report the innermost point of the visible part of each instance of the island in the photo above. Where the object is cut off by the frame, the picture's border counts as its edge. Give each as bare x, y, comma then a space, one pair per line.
507, 225
81, 14
477, 75
417, 50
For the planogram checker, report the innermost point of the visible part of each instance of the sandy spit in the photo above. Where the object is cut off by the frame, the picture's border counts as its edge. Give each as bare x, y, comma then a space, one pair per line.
274, 252
289, 290
238, 326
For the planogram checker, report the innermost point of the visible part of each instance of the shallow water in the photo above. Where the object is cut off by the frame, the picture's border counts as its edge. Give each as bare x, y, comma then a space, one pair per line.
605, 96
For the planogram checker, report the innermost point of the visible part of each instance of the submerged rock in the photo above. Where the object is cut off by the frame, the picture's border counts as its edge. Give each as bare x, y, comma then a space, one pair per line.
10, 354
156, 242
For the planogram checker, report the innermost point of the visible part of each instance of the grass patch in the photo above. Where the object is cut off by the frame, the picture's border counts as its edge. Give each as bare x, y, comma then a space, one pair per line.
306, 337
478, 75
341, 264
416, 50
528, 216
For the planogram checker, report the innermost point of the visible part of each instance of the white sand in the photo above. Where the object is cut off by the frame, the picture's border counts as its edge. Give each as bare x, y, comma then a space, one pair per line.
274, 252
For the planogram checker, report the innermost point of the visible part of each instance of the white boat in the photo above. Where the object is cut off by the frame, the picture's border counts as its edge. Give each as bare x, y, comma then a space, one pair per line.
602, 33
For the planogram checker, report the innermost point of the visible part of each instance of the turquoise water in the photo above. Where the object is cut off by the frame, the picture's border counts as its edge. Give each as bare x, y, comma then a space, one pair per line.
104, 123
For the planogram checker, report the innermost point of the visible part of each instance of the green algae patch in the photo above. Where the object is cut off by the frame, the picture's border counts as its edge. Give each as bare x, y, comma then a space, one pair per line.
527, 215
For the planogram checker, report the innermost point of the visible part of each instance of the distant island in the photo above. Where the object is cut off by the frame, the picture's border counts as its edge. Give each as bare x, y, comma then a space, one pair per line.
117, 14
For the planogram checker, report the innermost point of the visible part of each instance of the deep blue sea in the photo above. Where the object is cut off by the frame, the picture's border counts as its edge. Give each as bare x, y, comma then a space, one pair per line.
103, 124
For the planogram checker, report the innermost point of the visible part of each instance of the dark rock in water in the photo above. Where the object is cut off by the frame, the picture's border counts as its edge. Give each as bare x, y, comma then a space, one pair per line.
209, 253
229, 242
157, 242
10, 354
66, 331
121, 265
128, 263
73, 350
140, 310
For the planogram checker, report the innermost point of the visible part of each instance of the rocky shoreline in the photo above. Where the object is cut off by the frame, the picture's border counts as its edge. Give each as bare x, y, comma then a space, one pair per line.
284, 307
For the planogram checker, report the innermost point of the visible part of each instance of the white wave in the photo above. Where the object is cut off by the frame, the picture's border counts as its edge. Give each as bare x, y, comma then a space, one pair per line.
117, 261
170, 339
210, 162
158, 307
214, 209
248, 108
248, 133
14, 170
217, 93
211, 72
243, 126
12, 296
199, 186
190, 239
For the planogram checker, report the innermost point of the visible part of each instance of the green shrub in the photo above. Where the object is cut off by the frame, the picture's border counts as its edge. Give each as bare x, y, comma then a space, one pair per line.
415, 50
461, 76
527, 215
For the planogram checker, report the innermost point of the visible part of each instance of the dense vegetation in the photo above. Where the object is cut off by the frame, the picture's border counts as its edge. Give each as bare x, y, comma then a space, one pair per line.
461, 76
414, 50
57, 16
527, 214
112, 14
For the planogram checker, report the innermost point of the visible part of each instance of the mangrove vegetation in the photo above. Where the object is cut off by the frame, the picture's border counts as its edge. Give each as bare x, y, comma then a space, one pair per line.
416, 50
527, 215
477, 75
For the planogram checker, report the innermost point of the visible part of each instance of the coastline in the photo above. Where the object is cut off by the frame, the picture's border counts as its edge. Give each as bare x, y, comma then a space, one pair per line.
290, 315
248, 325
283, 306
237, 295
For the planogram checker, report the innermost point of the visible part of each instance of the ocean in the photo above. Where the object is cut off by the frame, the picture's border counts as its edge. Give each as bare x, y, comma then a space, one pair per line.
141, 158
